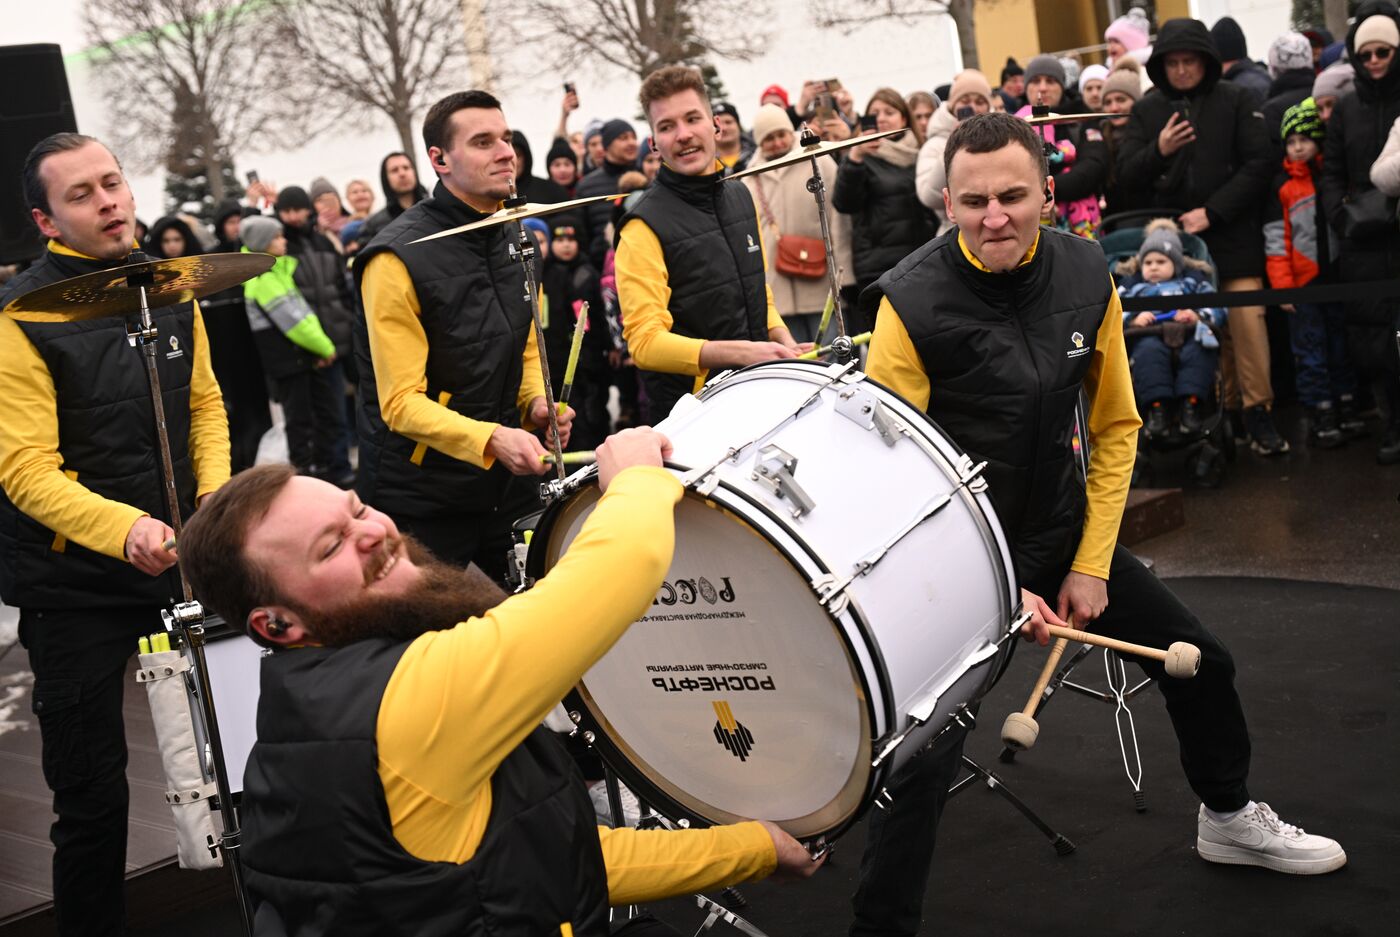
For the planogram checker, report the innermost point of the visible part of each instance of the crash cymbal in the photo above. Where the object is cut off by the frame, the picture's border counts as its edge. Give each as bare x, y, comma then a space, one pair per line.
816, 149
519, 213
1066, 118
108, 292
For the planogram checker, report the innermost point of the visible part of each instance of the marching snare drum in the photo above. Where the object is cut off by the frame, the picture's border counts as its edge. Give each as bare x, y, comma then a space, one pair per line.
840, 590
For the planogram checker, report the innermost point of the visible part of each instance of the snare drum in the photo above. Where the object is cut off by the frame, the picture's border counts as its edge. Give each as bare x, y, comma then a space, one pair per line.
234, 663
840, 590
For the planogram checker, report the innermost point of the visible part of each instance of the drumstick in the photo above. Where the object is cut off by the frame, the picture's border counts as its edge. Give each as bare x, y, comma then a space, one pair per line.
168, 545
1181, 660
861, 339
830, 306
570, 458
572, 365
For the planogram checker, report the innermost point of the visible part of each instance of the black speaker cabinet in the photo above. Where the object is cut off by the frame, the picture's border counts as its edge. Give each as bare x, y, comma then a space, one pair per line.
34, 102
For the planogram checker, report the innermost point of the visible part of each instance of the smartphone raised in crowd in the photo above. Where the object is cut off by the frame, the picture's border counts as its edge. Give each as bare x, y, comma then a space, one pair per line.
868, 123
252, 176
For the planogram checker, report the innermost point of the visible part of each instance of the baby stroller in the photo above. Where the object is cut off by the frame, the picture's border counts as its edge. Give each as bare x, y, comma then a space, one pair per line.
1207, 452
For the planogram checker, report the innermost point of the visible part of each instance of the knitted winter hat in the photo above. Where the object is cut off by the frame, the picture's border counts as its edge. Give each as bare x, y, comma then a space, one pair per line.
1163, 238
1125, 79
724, 107
1290, 52
1334, 81
769, 119
1011, 70
592, 129
1046, 65
1071, 67
969, 81
1092, 73
538, 225
1377, 28
560, 149
1132, 29
614, 129
258, 231
777, 91
321, 186
1303, 118
1229, 39
293, 196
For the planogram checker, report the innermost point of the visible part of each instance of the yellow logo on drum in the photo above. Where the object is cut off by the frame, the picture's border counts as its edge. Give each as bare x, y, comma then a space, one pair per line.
731, 733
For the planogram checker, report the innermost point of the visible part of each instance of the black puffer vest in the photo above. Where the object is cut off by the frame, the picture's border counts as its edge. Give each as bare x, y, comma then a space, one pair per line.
709, 237
1006, 354
107, 443
319, 847
474, 312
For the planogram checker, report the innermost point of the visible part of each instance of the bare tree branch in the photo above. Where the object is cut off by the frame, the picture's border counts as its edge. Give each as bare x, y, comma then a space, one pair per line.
851, 15
359, 57
189, 80
640, 36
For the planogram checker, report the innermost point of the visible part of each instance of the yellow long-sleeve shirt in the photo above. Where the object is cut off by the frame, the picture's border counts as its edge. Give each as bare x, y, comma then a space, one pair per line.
1113, 420
644, 293
398, 347
459, 701
31, 467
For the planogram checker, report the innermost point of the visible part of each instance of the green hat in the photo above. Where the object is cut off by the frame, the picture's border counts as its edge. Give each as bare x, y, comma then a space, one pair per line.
1303, 118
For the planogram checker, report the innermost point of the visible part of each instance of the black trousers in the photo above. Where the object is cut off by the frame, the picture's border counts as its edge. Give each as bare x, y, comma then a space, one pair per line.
1205, 712
79, 660
482, 537
313, 403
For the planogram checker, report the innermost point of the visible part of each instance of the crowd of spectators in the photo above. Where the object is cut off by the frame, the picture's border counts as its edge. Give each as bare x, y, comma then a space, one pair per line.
1285, 172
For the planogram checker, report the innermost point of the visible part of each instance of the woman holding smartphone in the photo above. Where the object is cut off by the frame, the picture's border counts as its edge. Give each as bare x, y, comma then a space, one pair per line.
970, 94
875, 186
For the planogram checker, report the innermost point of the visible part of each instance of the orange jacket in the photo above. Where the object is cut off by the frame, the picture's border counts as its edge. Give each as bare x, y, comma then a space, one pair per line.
1291, 243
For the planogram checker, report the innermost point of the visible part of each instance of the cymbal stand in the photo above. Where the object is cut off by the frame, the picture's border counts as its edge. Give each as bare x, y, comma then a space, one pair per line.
523, 252
189, 614
841, 347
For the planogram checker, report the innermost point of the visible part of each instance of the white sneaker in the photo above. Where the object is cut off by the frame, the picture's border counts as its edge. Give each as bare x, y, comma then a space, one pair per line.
1258, 837
631, 807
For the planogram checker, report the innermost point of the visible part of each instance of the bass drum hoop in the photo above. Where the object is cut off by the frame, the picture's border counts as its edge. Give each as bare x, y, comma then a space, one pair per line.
854, 801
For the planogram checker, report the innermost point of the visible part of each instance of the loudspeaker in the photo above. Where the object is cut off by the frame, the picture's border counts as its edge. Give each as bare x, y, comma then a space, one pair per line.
34, 102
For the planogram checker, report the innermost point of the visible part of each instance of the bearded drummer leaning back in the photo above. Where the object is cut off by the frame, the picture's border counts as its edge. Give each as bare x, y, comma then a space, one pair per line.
401, 782
994, 328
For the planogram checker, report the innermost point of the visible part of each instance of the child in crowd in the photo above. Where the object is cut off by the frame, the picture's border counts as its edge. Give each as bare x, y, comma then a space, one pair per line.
568, 281
293, 347
1300, 250
1173, 373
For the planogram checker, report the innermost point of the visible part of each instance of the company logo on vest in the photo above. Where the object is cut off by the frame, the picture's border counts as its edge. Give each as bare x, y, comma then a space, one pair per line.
1077, 339
175, 350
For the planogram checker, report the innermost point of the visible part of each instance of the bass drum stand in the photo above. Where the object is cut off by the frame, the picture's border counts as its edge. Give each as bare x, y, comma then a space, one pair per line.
188, 616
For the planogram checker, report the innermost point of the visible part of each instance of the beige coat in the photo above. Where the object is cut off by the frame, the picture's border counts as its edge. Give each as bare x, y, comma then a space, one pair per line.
794, 210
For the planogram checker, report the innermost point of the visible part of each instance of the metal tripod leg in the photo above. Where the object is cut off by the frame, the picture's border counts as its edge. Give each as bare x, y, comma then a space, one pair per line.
1118, 695
1063, 845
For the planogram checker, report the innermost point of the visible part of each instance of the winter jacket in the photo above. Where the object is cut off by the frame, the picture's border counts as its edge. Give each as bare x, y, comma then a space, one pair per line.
288, 334
1385, 171
1249, 76
1181, 286
929, 177
594, 237
1297, 242
152, 244
786, 207
392, 209
532, 188
887, 222
1356, 134
1121, 194
324, 283
1226, 171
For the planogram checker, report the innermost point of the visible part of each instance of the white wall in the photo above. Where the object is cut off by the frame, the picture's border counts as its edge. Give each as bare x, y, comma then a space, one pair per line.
1262, 20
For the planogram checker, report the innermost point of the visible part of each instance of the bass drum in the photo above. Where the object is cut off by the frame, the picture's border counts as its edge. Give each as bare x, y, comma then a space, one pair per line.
840, 590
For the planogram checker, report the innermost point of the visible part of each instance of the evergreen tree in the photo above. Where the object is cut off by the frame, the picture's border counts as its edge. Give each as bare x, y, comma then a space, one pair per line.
193, 152
1308, 14
714, 87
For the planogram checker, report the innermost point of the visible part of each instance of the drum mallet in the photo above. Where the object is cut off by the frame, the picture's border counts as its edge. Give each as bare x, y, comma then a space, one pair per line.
1020, 729
1181, 660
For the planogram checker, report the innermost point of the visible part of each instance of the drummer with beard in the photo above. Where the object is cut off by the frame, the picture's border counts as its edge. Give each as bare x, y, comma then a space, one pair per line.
690, 264
401, 782
451, 395
994, 328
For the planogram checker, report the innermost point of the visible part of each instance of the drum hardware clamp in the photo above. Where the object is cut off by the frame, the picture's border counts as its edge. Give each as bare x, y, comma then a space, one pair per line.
774, 468
922, 710
866, 411
831, 591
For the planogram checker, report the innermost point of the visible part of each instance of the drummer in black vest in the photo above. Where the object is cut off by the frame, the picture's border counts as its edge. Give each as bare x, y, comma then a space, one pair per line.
83, 514
451, 396
690, 264
401, 783
994, 328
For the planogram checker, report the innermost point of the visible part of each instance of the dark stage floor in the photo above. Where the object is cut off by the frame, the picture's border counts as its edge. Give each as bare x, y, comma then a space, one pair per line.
1318, 674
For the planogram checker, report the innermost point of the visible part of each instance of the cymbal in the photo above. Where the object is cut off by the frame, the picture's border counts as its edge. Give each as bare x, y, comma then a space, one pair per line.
1066, 118
816, 149
107, 293
520, 213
